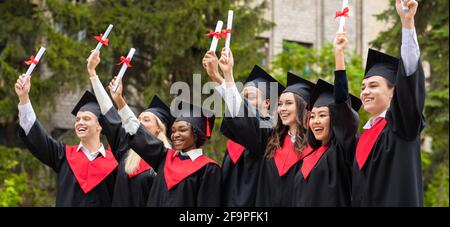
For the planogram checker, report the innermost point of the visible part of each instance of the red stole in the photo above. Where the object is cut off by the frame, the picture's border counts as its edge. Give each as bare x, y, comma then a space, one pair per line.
235, 150
143, 166
366, 142
311, 161
285, 157
176, 170
90, 173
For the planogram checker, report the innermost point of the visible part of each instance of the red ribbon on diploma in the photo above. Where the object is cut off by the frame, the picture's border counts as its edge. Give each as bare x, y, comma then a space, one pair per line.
225, 32
212, 33
31, 61
125, 60
101, 40
343, 13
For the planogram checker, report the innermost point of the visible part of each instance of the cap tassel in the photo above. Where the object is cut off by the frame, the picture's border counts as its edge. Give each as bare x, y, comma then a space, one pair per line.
208, 129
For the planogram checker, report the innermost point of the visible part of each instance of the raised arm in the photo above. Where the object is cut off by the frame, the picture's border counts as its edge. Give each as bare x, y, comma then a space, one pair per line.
410, 51
109, 120
345, 123
242, 122
146, 145
405, 112
37, 140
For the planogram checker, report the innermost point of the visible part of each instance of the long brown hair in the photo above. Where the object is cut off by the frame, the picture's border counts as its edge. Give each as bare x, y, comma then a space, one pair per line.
280, 131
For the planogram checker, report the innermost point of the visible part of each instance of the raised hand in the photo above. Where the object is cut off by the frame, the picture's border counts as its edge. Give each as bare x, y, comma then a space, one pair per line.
117, 96
211, 65
340, 42
92, 61
407, 17
22, 88
226, 63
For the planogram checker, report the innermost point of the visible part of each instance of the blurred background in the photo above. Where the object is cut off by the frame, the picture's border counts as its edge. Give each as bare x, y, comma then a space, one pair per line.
169, 36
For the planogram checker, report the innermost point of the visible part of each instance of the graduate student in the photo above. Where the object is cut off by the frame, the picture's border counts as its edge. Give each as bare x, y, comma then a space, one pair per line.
387, 166
85, 172
134, 175
281, 146
324, 178
186, 177
240, 167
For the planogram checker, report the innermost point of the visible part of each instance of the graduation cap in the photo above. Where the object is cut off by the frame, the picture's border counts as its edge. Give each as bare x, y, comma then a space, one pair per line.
323, 96
381, 64
258, 76
299, 86
200, 118
161, 110
88, 102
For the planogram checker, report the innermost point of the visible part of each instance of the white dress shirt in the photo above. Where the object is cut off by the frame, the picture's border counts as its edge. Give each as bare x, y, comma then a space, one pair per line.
129, 121
410, 50
369, 125
231, 96
92, 155
193, 154
103, 99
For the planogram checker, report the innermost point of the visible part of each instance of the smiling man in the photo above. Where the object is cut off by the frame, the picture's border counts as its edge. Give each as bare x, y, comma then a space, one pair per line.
85, 172
387, 166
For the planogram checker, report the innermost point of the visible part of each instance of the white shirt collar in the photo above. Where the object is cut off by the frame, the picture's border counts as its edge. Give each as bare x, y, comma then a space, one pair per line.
93, 155
193, 154
369, 125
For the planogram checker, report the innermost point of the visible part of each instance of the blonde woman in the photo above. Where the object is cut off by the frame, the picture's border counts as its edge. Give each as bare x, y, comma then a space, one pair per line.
134, 176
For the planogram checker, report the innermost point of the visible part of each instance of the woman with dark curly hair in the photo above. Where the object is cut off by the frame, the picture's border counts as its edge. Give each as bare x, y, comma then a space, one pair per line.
185, 176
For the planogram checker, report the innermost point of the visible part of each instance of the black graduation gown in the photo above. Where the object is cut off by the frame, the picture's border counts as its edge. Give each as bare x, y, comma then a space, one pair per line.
271, 190
239, 180
199, 189
392, 175
129, 192
329, 182
53, 154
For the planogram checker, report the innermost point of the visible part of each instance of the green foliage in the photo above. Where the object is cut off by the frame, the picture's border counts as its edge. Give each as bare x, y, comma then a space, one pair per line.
20, 184
313, 64
437, 193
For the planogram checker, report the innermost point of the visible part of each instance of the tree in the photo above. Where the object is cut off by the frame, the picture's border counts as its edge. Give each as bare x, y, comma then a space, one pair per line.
432, 32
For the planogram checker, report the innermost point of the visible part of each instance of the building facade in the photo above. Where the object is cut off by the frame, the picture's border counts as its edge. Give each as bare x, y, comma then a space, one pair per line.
311, 23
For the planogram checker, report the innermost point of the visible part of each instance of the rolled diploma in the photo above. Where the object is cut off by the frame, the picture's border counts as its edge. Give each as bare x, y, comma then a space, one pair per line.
37, 58
215, 40
105, 35
342, 19
229, 25
122, 70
